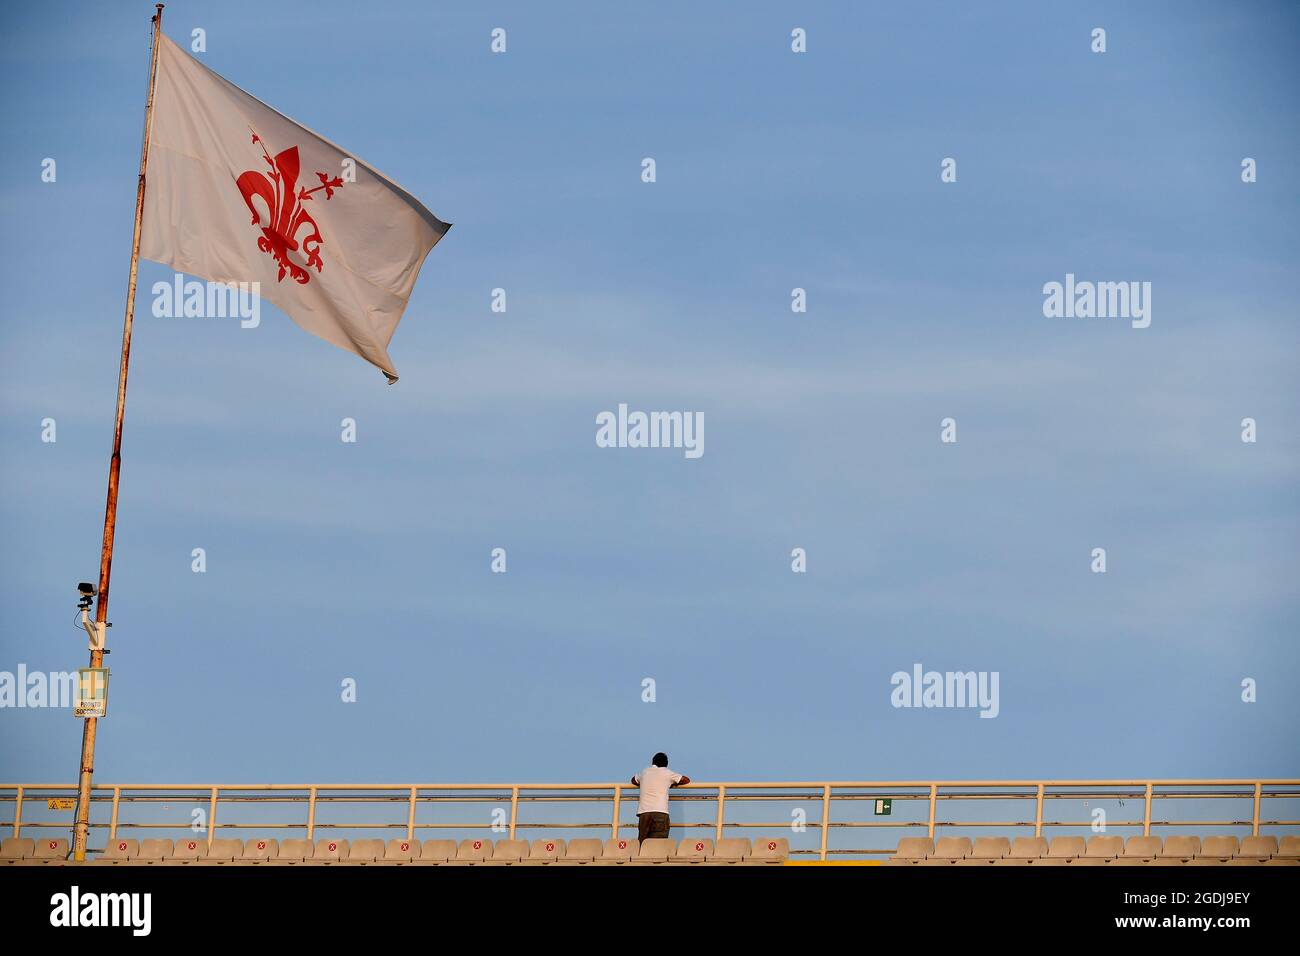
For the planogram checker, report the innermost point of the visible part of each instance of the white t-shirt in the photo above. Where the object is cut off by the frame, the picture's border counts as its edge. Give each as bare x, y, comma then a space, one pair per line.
654, 782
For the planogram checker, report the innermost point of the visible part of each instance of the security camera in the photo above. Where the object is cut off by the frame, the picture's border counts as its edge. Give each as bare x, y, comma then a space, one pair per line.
87, 592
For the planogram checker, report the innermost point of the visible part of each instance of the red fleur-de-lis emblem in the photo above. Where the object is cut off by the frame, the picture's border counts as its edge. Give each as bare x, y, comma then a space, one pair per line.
284, 214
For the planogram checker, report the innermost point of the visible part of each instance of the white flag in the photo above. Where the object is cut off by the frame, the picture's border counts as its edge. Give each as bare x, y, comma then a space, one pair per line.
236, 192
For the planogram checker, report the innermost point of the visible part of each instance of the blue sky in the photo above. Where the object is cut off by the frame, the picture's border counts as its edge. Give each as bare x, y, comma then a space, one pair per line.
371, 560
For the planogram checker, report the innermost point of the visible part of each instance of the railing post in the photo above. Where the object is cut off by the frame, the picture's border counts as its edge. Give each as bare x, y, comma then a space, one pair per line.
1146, 813
1254, 820
212, 817
1038, 812
514, 809
722, 797
934, 796
826, 820
618, 796
18, 813
112, 823
410, 816
311, 813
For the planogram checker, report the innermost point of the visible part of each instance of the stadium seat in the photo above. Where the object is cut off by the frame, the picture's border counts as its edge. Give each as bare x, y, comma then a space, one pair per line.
1100, 851
1288, 853
155, 851
617, 851
771, 850
509, 852
119, 851
472, 851
653, 852
1062, 851
582, 852
912, 850
987, 850
692, 850
1256, 850
225, 852
1179, 850
1139, 851
732, 850
364, 851
328, 852
437, 852
294, 852
1215, 850
948, 850
1024, 851
190, 850
15, 848
258, 850
401, 851
47, 853
548, 851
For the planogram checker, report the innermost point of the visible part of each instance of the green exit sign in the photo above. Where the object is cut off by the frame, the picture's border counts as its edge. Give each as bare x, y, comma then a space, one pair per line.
884, 808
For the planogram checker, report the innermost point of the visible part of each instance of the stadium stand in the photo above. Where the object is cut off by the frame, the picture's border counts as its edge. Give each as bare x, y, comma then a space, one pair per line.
1099, 850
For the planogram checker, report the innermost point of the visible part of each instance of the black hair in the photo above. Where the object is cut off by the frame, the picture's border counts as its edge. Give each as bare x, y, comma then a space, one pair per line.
659, 760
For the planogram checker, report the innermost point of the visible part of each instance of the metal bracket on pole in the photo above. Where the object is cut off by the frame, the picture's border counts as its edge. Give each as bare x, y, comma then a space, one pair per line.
94, 630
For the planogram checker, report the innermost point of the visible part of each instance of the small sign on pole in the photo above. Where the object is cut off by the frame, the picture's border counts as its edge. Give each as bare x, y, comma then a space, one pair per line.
92, 692
884, 808
60, 803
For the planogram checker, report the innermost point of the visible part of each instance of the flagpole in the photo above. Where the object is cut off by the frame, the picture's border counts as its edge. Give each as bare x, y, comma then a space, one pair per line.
81, 829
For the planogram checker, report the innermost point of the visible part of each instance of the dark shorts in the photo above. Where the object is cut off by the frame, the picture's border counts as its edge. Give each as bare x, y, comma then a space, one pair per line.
651, 826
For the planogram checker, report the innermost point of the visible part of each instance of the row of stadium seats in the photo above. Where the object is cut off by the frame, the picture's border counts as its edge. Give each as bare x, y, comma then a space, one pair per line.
26, 852
1099, 851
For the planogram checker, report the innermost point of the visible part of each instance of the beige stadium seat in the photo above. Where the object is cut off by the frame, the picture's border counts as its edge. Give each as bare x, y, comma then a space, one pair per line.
1178, 850
547, 851
582, 851
225, 851
616, 852
260, 850
987, 850
49, 853
1139, 851
1289, 848
1255, 850
949, 850
437, 852
155, 851
329, 851
912, 850
770, 850
476, 850
14, 849
190, 850
1101, 850
692, 850
119, 851
1063, 851
653, 852
1024, 851
1215, 851
294, 852
401, 851
509, 852
732, 850
364, 851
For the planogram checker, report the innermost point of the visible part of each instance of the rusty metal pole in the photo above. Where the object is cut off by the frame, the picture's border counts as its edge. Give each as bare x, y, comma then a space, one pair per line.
81, 829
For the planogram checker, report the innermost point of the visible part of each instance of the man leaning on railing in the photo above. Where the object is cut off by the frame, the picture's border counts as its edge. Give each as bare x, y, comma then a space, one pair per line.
652, 807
